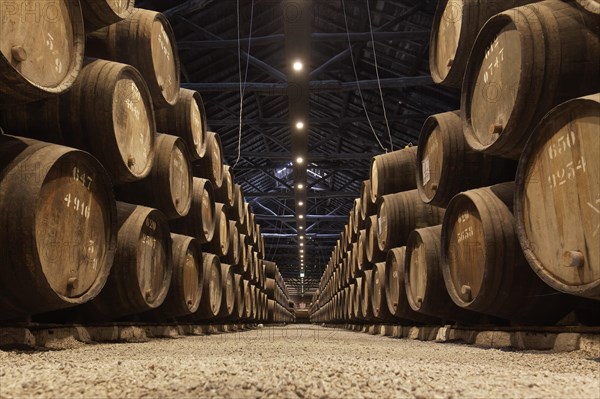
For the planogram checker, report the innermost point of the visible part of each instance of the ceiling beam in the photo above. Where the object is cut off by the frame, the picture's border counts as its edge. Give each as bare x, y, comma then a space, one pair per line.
280, 89
310, 195
282, 156
312, 121
291, 218
315, 37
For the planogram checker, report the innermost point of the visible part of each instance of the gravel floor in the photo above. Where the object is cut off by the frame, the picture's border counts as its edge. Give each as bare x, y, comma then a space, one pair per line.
296, 361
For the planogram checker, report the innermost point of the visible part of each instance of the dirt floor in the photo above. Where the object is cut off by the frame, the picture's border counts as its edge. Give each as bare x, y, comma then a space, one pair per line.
299, 361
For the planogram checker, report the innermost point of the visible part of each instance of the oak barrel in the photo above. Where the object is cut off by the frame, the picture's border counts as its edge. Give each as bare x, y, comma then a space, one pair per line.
239, 296
366, 308
524, 62
201, 219
447, 165
59, 227
41, 49
372, 251
399, 214
228, 291
483, 266
557, 198
393, 172
100, 13
456, 24
226, 193
210, 166
378, 298
168, 187
219, 245
186, 119
108, 112
592, 6
238, 212
367, 207
395, 291
185, 291
144, 40
234, 253
424, 282
212, 291
141, 274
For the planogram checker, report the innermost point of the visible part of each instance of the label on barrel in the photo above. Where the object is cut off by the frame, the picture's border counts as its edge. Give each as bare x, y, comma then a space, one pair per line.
425, 170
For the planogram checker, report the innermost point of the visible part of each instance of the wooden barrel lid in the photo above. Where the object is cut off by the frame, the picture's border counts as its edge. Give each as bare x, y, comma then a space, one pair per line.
192, 277
445, 38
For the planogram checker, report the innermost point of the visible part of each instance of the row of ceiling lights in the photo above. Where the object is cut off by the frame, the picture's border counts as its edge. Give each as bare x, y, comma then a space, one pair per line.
298, 66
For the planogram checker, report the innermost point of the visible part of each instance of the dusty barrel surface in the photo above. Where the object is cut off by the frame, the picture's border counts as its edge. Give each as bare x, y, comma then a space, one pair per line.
210, 166
401, 213
378, 298
185, 291
557, 198
212, 290
168, 187
186, 119
108, 112
447, 165
201, 219
524, 62
59, 232
228, 291
456, 24
142, 269
41, 49
145, 41
372, 251
226, 193
100, 13
424, 282
219, 245
483, 265
393, 172
592, 6
395, 291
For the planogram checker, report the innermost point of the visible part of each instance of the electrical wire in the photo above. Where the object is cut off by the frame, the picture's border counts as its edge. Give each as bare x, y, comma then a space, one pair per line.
387, 125
356, 76
242, 85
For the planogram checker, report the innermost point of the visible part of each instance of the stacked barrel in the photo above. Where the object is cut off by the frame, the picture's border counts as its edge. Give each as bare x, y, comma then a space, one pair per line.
495, 216
116, 201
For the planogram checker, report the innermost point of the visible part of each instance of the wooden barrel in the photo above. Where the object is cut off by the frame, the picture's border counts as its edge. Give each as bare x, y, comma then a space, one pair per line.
247, 300
226, 193
524, 62
234, 253
239, 297
483, 266
186, 119
249, 223
228, 290
141, 274
366, 308
401, 213
41, 49
455, 27
238, 212
201, 219
212, 291
393, 172
185, 291
448, 166
243, 263
100, 13
395, 291
219, 245
168, 187
378, 297
351, 296
367, 207
107, 112
146, 41
592, 6
358, 221
270, 269
59, 227
557, 199
372, 251
210, 166
424, 282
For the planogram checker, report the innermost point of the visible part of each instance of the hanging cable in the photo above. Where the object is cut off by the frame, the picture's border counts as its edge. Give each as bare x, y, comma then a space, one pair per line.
356, 76
387, 125
242, 85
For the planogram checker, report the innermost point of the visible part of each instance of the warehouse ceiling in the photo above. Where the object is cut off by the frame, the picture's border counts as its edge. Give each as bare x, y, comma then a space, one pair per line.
337, 141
